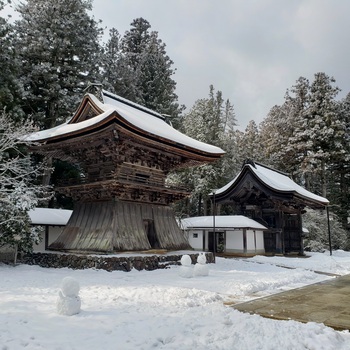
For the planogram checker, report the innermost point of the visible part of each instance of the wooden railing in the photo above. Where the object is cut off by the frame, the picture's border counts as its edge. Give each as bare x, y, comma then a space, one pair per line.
131, 179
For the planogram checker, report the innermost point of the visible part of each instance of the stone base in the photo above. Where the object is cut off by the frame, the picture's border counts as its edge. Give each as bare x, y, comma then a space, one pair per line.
110, 262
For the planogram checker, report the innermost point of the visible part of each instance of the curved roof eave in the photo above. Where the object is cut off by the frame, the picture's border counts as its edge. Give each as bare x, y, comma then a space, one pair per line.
138, 121
286, 185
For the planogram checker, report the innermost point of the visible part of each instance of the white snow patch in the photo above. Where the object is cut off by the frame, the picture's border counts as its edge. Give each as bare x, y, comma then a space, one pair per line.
160, 310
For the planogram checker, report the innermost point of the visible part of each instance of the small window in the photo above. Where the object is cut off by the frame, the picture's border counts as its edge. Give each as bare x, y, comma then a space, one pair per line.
195, 235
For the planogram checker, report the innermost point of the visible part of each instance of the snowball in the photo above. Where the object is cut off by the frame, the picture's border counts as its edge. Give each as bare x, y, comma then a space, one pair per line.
70, 287
186, 271
186, 260
68, 306
200, 270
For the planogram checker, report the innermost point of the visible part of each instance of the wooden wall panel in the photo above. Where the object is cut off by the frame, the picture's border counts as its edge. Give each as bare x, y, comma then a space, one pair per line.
109, 226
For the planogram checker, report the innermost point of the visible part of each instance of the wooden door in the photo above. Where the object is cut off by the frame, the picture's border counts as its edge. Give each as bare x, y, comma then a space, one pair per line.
151, 233
292, 233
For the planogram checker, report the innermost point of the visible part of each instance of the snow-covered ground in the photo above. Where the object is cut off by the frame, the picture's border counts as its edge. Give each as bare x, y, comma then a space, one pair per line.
161, 310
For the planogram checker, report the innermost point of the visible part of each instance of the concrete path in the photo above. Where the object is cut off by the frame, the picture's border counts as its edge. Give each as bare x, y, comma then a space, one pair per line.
326, 302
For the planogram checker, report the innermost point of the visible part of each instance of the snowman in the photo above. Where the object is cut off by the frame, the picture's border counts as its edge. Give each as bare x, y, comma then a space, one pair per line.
186, 268
68, 302
201, 268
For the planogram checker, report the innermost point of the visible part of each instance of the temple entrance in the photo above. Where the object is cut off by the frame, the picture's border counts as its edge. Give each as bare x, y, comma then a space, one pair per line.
151, 233
292, 233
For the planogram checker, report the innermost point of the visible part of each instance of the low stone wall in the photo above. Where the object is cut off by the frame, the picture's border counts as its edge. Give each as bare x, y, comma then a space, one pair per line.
108, 263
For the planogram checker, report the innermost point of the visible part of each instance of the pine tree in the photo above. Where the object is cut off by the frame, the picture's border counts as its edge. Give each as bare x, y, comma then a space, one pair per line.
59, 51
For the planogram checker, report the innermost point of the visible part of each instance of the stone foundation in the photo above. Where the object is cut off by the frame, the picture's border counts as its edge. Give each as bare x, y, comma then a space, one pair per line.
109, 263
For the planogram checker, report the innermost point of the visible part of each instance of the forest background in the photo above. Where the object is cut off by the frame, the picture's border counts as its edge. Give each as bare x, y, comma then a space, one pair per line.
54, 52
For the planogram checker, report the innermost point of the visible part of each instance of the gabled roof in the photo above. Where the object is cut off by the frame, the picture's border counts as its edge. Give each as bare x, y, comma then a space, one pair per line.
273, 180
221, 222
93, 114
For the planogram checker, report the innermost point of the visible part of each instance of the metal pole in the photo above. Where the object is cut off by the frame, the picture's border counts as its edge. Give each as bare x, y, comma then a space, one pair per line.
214, 233
329, 232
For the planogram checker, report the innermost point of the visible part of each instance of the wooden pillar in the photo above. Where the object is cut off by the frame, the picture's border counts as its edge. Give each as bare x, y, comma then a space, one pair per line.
300, 222
244, 240
46, 237
279, 232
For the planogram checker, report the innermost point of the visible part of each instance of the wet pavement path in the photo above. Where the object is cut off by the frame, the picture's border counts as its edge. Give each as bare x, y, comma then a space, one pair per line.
326, 302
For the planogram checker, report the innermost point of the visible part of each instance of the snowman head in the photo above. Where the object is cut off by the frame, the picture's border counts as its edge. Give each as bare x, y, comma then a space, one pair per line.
70, 287
186, 260
202, 260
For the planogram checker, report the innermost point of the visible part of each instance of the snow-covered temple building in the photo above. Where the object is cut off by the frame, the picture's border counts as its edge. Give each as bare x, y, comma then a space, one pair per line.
273, 199
234, 234
124, 152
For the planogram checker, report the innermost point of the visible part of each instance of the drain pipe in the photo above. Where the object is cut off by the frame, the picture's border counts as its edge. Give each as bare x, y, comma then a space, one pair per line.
329, 232
214, 228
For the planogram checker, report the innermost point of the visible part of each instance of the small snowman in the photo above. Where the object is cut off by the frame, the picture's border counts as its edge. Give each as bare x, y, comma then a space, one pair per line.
201, 268
186, 268
68, 302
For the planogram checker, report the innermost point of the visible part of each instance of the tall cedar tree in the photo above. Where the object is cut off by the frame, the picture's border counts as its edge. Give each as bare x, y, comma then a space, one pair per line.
317, 129
58, 45
210, 120
308, 137
142, 69
9, 87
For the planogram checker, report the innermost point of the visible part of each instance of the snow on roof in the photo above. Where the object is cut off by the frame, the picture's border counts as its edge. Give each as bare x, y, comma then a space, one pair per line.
277, 181
221, 221
67, 128
48, 216
141, 117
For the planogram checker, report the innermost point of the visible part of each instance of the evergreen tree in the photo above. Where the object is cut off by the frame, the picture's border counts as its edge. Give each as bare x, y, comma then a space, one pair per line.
10, 90
308, 137
280, 127
316, 133
339, 167
117, 75
249, 143
59, 52
210, 120
143, 70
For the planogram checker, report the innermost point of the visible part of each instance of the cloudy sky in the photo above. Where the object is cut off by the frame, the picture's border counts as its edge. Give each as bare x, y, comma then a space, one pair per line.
251, 50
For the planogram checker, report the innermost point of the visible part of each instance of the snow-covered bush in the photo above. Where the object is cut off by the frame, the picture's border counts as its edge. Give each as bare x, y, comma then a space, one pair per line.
20, 189
318, 238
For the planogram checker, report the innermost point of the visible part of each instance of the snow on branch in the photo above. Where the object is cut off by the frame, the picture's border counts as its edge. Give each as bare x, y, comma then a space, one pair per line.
20, 185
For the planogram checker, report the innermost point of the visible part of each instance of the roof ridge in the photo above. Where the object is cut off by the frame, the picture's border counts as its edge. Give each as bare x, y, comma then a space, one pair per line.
254, 163
132, 104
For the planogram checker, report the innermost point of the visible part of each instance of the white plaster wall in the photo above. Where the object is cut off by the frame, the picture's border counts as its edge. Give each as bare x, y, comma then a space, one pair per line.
250, 241
54, 232
260, 240
196, 243
234, 240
